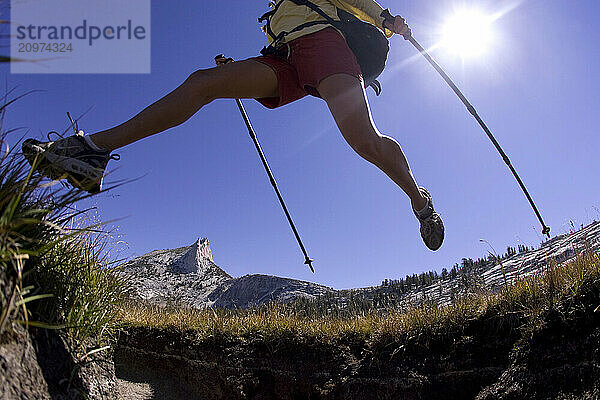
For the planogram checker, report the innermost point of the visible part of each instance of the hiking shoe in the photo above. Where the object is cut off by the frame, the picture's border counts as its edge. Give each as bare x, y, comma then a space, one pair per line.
432, 226
70, 158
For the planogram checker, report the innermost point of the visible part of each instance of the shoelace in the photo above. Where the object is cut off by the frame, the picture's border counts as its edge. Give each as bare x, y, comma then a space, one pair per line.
78, 132
74, 125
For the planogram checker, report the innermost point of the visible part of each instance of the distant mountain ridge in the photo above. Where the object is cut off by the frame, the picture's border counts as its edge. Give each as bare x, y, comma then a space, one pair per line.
254, 290
491, 275
189, 276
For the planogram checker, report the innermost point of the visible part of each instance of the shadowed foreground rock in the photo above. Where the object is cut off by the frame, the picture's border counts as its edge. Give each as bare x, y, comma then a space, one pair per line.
39, 365
20, 374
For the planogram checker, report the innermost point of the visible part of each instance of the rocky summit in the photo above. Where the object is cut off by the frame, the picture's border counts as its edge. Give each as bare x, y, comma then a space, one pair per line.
189, 276
186, 275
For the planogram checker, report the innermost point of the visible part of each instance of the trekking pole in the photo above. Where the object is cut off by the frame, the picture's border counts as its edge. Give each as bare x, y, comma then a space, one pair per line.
220, 60
408, 36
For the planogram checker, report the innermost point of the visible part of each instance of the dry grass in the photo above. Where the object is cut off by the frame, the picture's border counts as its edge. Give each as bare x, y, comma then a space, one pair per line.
527, 298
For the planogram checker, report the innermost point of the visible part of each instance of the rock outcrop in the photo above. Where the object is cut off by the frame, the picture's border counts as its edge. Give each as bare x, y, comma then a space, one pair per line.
189, 276
186, 275
38, 364
254, 290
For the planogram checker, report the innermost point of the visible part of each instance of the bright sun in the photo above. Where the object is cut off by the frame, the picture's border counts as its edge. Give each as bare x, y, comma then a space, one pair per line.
468, 33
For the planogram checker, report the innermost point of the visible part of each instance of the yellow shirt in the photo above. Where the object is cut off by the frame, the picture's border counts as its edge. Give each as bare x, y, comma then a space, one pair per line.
289, 15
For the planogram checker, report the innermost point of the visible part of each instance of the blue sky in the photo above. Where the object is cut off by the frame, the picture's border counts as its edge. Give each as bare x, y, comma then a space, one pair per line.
537, 88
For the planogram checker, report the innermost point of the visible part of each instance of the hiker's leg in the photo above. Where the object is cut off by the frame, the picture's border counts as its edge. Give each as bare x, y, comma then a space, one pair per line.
241, 79
347, 101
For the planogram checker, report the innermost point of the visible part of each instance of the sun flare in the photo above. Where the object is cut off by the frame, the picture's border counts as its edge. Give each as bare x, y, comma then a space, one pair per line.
468, 33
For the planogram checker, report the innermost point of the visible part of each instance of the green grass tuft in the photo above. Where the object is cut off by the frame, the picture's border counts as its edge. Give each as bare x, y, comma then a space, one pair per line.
56, 272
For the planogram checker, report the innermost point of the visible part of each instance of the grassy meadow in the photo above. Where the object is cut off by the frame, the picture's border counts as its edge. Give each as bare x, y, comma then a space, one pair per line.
524, 302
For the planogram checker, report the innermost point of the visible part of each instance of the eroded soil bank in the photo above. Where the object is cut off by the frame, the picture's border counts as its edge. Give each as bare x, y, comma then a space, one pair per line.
491, 357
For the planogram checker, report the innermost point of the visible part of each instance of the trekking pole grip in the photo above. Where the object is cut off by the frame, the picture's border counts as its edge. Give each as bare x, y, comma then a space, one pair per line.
222, 60
389, 19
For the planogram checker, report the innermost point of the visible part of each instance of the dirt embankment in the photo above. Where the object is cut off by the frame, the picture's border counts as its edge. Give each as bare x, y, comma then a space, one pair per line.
38, 364
492, 357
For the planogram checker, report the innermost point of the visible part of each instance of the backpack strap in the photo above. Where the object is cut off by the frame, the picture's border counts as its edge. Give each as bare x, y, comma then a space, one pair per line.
343, 15
316, 9
267, 17
376, 86
277, 38
272, 48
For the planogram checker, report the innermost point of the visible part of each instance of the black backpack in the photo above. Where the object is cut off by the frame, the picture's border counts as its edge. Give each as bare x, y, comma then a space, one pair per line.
367, 42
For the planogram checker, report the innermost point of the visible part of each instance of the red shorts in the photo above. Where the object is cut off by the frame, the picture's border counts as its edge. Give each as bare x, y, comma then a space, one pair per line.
310, 59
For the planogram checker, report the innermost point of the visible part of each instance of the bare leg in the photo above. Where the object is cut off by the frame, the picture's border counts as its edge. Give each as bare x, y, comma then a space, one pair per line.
241, 79
347, 102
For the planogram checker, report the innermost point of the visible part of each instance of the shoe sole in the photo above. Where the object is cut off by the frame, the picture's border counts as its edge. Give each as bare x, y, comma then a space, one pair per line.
76, 172
441, 239
425, 193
